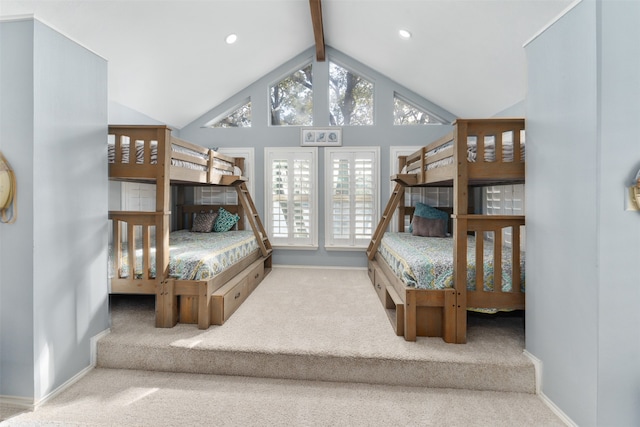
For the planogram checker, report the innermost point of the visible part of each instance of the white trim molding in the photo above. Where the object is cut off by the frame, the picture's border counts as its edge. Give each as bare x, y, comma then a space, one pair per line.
553, 21
537, 364
28, 404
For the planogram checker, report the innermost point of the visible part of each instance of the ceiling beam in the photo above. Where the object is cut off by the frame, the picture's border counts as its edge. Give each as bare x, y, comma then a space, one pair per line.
318, 31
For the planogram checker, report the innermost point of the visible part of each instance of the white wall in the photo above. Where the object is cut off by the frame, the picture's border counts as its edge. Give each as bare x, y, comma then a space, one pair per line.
57, 262
583, 249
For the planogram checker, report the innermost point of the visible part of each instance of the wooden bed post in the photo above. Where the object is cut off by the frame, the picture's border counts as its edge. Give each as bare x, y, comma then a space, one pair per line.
449, 313
460, 207
166, 300
410, 316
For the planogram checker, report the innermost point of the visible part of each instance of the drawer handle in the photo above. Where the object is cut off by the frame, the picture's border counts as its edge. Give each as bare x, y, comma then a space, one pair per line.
256, 276
378, 286
237, 296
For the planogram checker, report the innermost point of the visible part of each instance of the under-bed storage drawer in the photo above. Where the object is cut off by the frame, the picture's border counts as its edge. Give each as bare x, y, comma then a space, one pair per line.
371, 270
226, 300
255, 276
389, 298
380, 283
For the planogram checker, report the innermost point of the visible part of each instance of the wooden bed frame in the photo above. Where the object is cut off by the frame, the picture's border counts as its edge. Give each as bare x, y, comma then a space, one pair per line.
204, 302
420, 312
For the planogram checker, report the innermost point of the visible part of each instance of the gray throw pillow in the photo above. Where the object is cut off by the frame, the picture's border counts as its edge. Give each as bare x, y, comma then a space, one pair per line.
429, 227
203, 222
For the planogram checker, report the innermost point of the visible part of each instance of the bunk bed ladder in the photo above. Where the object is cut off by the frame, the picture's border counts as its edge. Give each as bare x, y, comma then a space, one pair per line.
254, 218
396, 196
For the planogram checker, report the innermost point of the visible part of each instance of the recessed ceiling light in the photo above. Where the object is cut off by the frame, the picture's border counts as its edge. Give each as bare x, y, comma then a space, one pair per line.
231, 39
405, 34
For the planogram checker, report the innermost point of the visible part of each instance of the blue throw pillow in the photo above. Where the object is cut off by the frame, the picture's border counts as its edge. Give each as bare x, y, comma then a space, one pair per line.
425, 211
225, 220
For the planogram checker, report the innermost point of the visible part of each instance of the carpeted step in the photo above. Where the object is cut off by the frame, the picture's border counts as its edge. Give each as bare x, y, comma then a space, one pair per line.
320, 325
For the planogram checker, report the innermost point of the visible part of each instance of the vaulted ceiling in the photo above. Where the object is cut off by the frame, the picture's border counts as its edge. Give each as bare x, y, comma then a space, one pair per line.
169, 60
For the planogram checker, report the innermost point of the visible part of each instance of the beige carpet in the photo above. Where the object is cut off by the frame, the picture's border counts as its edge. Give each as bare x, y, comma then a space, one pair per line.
108, 397
319, 324
298, 327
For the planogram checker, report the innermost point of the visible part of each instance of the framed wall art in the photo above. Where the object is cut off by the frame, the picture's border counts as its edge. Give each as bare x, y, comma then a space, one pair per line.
320, 137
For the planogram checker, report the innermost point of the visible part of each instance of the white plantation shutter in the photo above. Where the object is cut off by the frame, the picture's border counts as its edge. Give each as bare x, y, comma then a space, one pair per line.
351, 196
505, 200
138, 196
216, 196
213, 195
292, 208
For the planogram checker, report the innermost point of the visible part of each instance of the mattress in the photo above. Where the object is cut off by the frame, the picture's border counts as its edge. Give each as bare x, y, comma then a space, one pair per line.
195, 256
427, 262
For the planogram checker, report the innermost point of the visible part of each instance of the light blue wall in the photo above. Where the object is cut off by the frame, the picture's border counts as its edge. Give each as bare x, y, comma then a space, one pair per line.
619, 246
16, 240
260, 135
122, 115
583, 248
516, 110
58, 259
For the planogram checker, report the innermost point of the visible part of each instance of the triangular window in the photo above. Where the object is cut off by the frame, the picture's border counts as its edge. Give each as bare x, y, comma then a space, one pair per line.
238, 118
351, 97
292, 99
406, 113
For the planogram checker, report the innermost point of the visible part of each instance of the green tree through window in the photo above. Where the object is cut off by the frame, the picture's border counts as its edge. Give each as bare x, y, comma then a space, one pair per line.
405, 113
292, 99
351, 98
239, 118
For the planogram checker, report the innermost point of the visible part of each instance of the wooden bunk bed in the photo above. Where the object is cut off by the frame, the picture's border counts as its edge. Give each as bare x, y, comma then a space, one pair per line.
141, 240
478, 152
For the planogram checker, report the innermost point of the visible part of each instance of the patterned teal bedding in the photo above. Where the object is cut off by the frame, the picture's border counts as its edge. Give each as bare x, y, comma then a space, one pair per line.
196, 256
427, 262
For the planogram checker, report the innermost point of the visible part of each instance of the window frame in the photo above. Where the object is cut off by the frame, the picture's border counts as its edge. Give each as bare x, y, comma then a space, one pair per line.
353, 244
292, 153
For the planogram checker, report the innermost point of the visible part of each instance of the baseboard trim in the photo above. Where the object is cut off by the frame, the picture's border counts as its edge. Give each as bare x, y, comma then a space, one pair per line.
564, 417
22, 403
94, 346
28, 404
537, 363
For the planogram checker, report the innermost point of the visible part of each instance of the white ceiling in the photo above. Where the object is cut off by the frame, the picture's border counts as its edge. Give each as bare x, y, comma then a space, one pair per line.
168, 59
